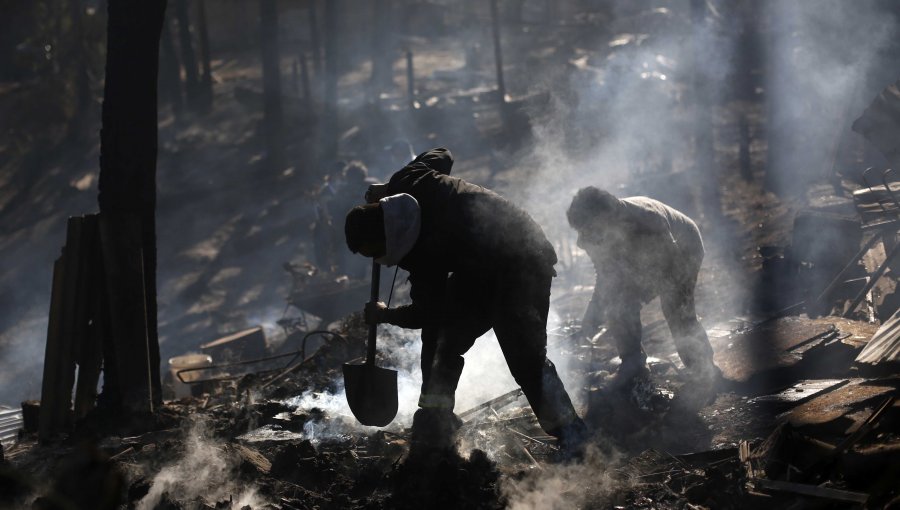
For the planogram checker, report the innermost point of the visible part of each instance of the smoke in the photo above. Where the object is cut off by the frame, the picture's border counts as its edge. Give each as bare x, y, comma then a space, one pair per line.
21, 357
823, 64
484, 377
563, 486
205, 471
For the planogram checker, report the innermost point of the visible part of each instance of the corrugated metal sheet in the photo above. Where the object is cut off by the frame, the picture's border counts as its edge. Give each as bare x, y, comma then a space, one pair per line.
885, 343
10, 424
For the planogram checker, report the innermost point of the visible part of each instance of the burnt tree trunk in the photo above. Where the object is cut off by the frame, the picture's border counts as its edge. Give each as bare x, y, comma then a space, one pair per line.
206, 88
127, 199
273, 122
170, 71
382, 61
329, 145
77, 129
188, 57
315, 39
702, 104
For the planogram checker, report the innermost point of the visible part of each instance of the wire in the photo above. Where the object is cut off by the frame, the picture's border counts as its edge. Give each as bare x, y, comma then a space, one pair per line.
296, 354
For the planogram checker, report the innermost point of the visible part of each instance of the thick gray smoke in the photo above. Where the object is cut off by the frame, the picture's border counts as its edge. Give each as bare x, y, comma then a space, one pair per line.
562, 486
826, 60
205, 471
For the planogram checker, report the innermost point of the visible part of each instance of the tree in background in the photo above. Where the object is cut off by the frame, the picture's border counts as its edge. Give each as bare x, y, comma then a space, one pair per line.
273, 127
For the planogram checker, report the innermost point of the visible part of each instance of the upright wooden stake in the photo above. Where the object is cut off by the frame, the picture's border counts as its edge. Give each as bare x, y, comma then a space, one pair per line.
273, 123
127, 198
498, 53
410, 80
304, 78
206, 88
314, 36
188, 57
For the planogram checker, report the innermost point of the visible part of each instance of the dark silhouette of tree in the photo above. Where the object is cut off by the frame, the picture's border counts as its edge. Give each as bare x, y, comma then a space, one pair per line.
127, 199
77, 126
188, 57
329, 144
273, 122
206, 92
170, 71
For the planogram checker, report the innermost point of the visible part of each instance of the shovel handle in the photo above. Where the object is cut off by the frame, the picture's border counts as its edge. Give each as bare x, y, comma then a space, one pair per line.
373, 297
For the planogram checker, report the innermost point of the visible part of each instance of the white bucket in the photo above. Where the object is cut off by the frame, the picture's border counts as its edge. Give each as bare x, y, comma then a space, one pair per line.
183, 362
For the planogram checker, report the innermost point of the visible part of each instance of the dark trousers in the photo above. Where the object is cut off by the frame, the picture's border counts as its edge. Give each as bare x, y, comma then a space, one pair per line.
623, 308
514, 303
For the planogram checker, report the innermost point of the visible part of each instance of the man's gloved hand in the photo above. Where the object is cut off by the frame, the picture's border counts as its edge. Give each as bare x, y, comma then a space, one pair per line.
376, 192
374, 312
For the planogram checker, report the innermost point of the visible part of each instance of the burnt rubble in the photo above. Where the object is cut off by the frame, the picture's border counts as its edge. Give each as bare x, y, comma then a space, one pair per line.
829, 442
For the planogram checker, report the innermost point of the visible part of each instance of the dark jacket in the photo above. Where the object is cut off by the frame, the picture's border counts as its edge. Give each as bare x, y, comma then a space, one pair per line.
644, 247
465, 229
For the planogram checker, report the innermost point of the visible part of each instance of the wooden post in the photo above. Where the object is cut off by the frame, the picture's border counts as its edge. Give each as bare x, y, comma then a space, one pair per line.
206, 88
170, 71
315, 40
273, 122
705, 174
123, 265
89, 351
188, 58
304, 77
76, 129
744, 148
382, 63
59, 356
498, 53
329, 143
411, 81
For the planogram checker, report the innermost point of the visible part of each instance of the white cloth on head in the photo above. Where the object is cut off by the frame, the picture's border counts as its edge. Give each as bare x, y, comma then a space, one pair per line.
402, 222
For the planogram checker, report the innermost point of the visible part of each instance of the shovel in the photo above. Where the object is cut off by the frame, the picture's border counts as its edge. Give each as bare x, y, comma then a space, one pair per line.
371, 391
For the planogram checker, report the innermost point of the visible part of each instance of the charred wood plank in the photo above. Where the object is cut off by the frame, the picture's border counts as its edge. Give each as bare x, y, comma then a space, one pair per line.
90, 347
60, 352
812, 490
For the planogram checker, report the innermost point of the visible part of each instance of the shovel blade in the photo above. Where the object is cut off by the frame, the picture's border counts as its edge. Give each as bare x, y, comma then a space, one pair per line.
371, 393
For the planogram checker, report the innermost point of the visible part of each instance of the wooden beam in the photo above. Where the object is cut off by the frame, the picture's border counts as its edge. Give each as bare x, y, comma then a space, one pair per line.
812, 490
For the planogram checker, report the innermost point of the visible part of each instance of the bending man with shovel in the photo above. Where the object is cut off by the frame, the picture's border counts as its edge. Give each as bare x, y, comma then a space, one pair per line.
475, 262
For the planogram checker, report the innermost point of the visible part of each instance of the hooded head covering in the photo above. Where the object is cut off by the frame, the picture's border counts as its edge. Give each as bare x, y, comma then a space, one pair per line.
402, 222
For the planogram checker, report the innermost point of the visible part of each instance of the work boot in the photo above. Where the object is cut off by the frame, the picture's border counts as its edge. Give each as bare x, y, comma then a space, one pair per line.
630, 372
571, 440
703, 380
434, 429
